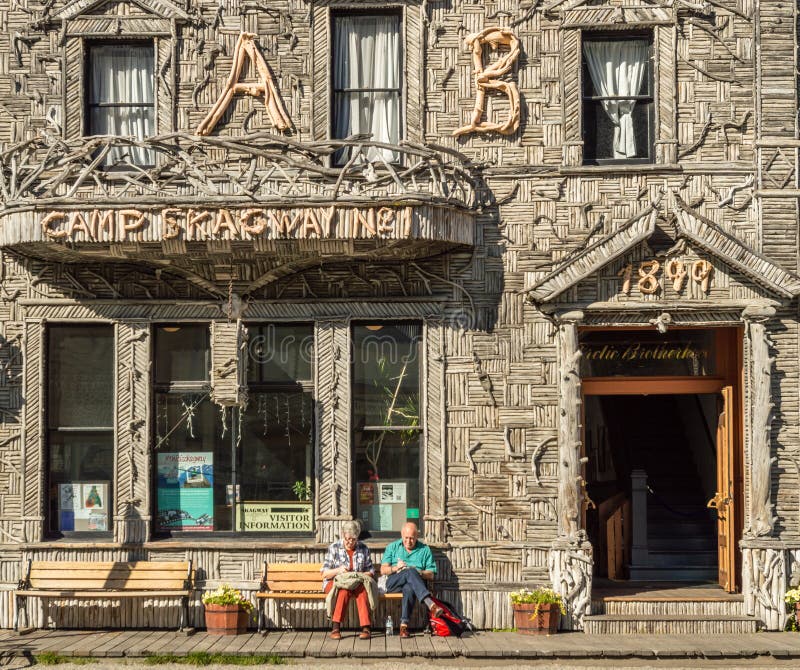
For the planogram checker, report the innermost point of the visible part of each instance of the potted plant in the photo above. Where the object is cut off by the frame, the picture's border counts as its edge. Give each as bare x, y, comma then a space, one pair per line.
227, 611
792, 599
537, 612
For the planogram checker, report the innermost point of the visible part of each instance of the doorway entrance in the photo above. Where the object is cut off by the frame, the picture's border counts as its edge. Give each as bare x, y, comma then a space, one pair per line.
661, 451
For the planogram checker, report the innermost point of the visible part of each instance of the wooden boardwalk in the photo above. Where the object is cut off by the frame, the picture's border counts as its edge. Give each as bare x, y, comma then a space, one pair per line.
316, 644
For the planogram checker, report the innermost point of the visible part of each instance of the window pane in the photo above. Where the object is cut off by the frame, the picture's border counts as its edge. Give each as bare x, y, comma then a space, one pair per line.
386, 360
366, 56
182, 353
193, 462
386, 364
81, 473
387, 474
599, 130
120, 96
280, 353
81, 376
645, 353
277, 463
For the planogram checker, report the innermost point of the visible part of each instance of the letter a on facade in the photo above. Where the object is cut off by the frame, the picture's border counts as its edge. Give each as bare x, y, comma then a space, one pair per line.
245, 47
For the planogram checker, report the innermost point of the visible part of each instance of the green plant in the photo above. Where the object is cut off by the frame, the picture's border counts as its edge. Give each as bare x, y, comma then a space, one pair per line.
205, 658
792, 597
538, 597
225, 594
302, 490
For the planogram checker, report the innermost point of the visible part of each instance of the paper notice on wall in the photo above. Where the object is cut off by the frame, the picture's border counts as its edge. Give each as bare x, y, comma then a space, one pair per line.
83, 506
392, 492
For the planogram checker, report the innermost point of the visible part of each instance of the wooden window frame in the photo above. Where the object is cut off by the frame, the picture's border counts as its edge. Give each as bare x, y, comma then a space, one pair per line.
204, 386
650, 99
51, 430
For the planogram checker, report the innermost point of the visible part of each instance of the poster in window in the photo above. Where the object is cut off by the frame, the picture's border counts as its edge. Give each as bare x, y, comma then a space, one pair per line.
83, 506
394, 492
366, 493
185, 491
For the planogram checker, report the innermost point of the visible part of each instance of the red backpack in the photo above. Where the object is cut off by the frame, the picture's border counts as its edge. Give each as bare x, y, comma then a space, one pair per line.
449, 622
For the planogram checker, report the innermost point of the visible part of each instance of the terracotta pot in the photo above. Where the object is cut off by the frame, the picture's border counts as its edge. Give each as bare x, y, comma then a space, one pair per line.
797, 614
545, 622
226, 619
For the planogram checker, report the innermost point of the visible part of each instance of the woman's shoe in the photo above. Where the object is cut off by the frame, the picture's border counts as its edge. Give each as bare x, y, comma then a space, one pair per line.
365, 634
336, 634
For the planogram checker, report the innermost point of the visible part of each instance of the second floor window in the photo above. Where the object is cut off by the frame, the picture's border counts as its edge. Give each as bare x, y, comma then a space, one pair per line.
120, 97
617, 99
367, 81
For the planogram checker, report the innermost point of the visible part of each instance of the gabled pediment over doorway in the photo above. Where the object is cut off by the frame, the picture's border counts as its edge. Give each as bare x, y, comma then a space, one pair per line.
691, 231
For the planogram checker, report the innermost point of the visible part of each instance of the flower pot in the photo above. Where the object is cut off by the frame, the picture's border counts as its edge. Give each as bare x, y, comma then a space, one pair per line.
226, 619
530, 622
797, 613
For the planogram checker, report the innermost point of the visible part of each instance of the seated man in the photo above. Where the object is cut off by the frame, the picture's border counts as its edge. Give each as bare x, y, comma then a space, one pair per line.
408, 563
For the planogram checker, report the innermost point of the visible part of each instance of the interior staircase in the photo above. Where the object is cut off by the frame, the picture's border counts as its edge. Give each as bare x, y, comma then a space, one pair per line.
673, 576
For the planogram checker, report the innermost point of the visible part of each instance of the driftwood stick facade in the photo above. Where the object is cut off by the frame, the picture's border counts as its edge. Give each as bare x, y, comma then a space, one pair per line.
249, 292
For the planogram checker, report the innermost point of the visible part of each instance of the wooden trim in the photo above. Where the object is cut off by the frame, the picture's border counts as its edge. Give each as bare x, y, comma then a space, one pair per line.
652, 385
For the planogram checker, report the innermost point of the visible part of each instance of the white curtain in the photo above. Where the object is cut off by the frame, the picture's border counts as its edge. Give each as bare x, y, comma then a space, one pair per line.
617, 69
366, 55
123, 75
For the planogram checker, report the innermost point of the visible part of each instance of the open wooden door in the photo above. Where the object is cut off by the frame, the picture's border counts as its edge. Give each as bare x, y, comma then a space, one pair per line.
723, 501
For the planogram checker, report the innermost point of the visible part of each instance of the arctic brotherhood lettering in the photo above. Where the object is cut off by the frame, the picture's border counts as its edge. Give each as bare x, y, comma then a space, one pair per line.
225, 223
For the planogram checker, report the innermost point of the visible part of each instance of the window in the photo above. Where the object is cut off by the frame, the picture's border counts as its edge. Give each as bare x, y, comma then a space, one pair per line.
80, 421
367, 81
120, 85
228, 468
618, 99
386, 421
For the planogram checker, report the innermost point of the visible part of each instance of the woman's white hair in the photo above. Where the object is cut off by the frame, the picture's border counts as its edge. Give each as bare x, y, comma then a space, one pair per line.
351, 528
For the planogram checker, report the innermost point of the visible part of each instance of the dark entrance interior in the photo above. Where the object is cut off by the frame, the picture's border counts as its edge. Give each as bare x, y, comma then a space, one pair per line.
651, 468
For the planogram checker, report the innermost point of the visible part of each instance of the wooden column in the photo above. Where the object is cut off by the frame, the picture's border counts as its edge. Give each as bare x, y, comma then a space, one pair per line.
33, 434
570, 494
132, 503
760, 521
570, 562
332, 370
765, 581
433, 446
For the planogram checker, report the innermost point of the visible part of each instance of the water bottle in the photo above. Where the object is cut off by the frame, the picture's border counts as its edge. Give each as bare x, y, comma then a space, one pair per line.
389, 626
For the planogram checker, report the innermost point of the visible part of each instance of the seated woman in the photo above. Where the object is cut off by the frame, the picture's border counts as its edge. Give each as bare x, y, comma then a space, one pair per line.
348, 555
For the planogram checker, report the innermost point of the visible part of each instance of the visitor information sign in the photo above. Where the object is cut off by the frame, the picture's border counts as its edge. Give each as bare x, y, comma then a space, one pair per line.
185, 491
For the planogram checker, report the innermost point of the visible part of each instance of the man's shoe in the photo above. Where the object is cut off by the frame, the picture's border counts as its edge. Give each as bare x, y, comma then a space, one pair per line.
365, 634
336, 634
404, 630
435, 610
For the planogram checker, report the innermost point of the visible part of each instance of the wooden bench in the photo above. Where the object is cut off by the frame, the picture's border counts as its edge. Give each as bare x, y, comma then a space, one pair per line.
294, 581
51, 580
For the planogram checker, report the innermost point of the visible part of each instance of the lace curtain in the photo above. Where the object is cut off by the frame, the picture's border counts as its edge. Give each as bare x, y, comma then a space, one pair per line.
366, 79
121, 98
617, 69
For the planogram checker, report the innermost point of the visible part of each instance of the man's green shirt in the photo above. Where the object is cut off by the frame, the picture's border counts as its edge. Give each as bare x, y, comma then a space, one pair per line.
419, 557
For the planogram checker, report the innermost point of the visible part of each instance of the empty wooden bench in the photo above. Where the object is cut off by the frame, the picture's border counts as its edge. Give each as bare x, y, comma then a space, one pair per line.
51, 580
294, 581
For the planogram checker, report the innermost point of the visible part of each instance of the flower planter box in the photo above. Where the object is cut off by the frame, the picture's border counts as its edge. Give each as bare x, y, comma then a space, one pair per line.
529, 622
226, 619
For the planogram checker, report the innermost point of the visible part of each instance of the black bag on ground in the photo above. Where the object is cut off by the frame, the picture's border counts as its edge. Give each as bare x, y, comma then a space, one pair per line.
449, 622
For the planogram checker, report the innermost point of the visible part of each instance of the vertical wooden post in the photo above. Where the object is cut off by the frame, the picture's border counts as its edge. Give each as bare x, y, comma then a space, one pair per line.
760, 521
332, 370
570, 492
571, 562
33, 459
639, 551
132, 505
433, 411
